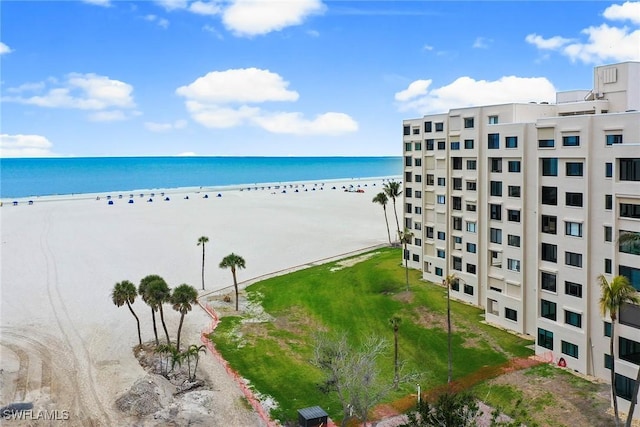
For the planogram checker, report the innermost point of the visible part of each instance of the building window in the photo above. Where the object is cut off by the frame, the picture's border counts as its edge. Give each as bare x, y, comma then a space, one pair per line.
548, 281
417, 194
457, 263
438, 271
430, 179
549, 252
493, 141
418, 178
549, 224
574, 168
546, 143
456, 163
430, 144
545, 338
495, 235
439, 126
496, 188
548, 309
573, 229
629, 350
471, 185
511, 142
471, 207
418, 146
608, 202
493, 120
417, 210
573, 199
471, 248
514, 165
416, 131
511, 314
442, 145
471, 227
573, 259
608, 233
513, 264
495, 211
468, 122
569, 349
441, 181
407, 176
514, 191
427, 126
417, 161
624, 387
614, 139
471, 165
629, 169
513, 240
608, 268
468, 289
429, 232
468, 144
573, 289
441, 235
496, 164
456, 203
607, 361
440, 253
513, 215
471, 268
415, 257
407, 146
550, 195
607, 329
408, 160
632, 248
631, 273
455, 145
441, 200
571, 141
406, 130
457, 183
550, 167
457, 223
608, 170
629, 210
573, 319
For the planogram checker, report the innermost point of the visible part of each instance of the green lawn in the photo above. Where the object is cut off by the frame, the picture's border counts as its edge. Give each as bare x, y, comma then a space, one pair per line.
359, 300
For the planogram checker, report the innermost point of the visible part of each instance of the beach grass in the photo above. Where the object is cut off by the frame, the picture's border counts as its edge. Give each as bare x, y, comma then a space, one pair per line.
357, 299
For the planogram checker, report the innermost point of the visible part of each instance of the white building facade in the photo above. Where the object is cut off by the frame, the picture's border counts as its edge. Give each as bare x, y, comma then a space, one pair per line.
524, 204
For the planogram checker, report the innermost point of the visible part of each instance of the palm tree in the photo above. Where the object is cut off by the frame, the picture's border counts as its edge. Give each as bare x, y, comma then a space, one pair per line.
143, 291
234, 262
613, 295
393, 191
125, 293
159, 294
382, 199
182, 298
196, 353
406, 237
448, 281
395, 324
201, 241
164, 350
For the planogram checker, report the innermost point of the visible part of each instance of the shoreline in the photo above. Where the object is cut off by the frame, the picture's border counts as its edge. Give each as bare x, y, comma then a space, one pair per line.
137, 193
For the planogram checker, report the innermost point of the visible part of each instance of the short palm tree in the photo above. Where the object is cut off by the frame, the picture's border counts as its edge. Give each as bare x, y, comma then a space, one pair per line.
143, 291
125, 293
234, 262
196, 350
159, 294
395, 324
382, 199
406, 237
183, 298
393, 190
613, 295
201, 241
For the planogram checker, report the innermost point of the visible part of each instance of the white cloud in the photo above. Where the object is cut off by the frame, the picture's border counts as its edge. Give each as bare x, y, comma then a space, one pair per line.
211, 29
109, 99
604, 43
313, 33
258, 17
416, 88
467, 92
244, 85
481, 43
187, 154
427, 47
621, 12
221, 99
4, 49
162, 22
25, 146
173, 4
165, 127
204, 8
104, 3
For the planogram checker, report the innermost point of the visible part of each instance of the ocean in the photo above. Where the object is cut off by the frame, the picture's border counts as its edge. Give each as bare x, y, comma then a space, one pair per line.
63, 176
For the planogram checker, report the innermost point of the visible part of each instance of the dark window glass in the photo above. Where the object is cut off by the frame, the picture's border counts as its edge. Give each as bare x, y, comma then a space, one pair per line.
624, 387
608, 170
549, 252
430, 144
573, 289
427, 126
546, 143
407, 130
573, 319
514, 166
496, 188
548, 309
550, 167
545, 338
468, 122
569, 349
468, 144
495, 211
573, 199
439, 127
549, 195
493, 140
549, 224
456, 163
614, 139
571, 141
629, 169
574, 168
573, 259
496, 164
608, 202
511, 314
511, 142
514, 191
548, 281
629, 210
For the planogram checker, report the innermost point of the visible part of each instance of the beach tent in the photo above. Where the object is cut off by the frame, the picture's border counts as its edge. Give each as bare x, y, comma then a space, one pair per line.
110, 202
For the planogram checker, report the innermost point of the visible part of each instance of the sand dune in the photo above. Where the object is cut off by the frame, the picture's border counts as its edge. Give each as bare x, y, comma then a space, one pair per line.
65, 346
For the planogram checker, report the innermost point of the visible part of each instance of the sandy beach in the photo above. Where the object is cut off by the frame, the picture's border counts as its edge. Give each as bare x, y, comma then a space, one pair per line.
65, 346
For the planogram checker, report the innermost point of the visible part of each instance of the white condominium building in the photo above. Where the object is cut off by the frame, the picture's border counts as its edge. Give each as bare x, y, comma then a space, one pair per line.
524, 204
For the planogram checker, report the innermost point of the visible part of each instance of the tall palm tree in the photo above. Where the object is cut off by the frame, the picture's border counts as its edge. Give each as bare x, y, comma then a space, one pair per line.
234, 262
395, 324
159, 294
613, 295
393, 190
406, 237
143, 291
183, 298
201, 241
382, 199
125, 293
448, 281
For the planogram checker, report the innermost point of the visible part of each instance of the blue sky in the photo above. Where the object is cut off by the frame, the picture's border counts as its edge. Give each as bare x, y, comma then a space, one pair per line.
282, 78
